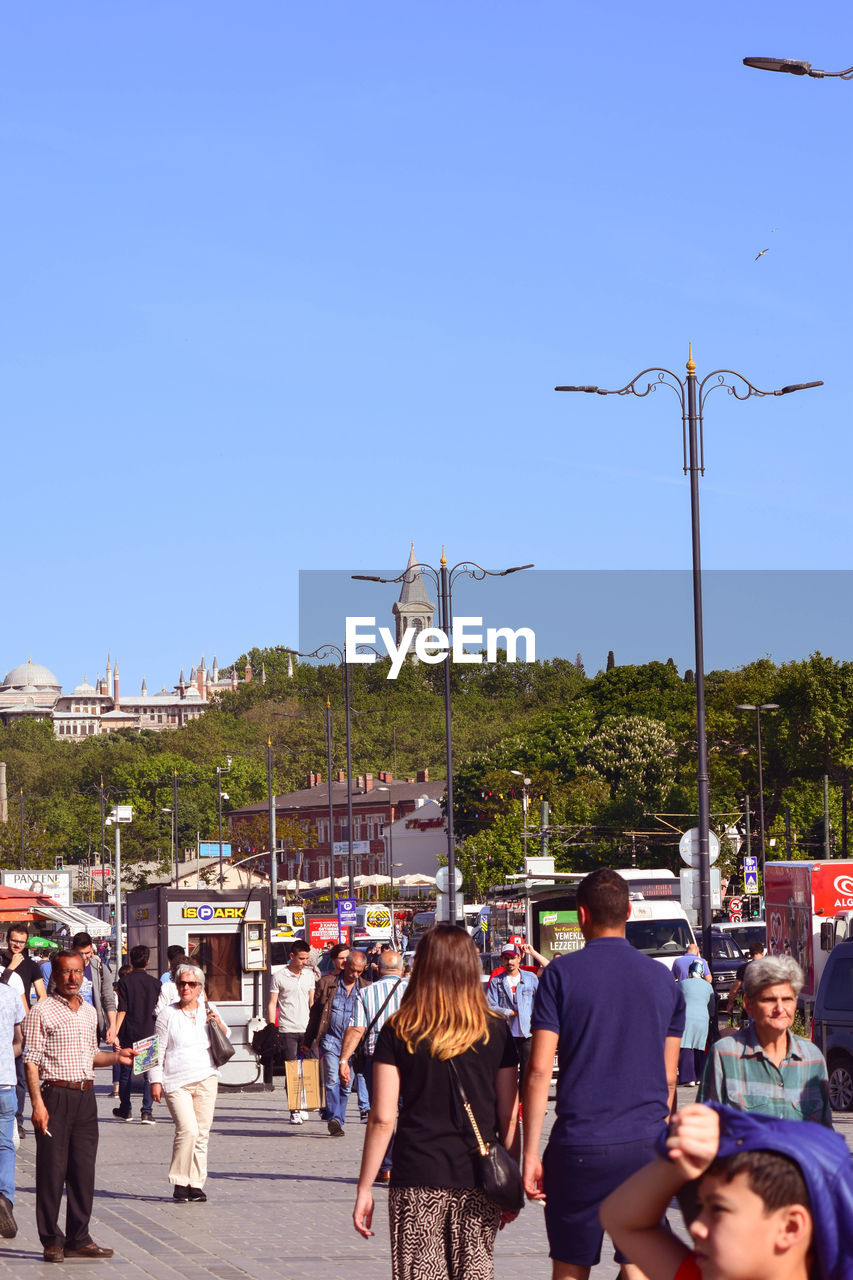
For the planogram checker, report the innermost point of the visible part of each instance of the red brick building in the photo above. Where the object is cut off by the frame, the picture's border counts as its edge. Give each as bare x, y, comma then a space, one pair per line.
375, 801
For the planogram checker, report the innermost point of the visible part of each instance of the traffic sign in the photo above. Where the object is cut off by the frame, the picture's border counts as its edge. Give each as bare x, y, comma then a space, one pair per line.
750, 874
346, 911
442, 879
688, 847
735, 910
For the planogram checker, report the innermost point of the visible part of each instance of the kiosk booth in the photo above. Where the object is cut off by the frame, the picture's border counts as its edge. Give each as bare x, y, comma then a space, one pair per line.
227, 935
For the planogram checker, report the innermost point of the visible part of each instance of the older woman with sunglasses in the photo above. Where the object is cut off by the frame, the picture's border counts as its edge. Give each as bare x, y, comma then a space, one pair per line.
189, 1078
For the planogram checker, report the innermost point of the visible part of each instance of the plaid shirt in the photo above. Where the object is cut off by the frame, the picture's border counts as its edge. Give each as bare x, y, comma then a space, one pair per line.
370, 1001
61, 1042
740, 1075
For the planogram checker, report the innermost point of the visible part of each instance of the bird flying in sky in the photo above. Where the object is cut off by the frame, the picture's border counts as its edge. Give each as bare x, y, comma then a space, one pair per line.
761, 254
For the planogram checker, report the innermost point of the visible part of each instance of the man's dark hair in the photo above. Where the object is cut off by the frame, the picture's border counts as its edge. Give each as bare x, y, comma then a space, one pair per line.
756, 949
124, 971
81, 940
337, 949
386, 946
604, 894
17, 926
66, 954
774, 1178
301, 946
172, 952
139, 956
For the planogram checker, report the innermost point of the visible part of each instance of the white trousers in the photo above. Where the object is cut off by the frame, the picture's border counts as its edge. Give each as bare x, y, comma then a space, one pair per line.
191, 1108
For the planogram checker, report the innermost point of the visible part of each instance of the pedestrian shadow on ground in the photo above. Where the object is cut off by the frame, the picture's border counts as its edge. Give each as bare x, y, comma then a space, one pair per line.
241, 1175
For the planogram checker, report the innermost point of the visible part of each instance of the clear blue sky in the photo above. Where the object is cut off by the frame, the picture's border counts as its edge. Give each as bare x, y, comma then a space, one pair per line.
287, 285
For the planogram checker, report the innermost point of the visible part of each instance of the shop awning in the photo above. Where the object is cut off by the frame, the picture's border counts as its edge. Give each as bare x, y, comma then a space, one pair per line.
22, 904
77, 921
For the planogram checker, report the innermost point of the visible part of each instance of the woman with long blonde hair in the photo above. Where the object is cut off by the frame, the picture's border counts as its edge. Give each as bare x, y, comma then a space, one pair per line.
443, 1226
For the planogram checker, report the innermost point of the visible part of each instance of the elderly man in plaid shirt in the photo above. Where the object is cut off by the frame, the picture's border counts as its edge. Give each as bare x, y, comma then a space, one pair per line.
61, 1051
765, 1068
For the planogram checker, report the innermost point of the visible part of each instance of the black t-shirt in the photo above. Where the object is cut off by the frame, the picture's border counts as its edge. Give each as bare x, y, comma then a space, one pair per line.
137, 995
435, 1144
28, 972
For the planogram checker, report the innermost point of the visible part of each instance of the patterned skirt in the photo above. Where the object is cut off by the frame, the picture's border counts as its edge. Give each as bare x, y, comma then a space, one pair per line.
442, 1233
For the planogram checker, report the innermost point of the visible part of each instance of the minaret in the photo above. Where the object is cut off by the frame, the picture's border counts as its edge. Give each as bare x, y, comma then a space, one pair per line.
200, 678
234, 678
144, 688
109, 678
248, 672
215, 670
182, 685
290, 666
115, 685
414, 607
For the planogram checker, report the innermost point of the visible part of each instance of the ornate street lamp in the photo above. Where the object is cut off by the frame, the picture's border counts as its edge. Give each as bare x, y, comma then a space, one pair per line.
691, 397
444, 580
796, 68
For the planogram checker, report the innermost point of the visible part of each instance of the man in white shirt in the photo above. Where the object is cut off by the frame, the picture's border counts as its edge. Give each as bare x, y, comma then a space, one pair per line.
11, 1043
291, 997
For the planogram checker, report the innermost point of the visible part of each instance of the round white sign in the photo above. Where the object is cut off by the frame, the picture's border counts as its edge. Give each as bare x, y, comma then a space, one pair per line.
441, 879
688, 847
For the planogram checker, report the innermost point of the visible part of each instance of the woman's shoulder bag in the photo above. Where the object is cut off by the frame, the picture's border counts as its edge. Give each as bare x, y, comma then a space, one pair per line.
499, 1174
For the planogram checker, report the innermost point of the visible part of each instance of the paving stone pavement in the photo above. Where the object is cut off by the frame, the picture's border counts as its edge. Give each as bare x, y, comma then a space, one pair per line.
280, 1202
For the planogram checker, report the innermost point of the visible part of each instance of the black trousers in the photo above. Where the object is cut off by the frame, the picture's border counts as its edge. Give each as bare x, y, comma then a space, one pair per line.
67, 1159
522, 1045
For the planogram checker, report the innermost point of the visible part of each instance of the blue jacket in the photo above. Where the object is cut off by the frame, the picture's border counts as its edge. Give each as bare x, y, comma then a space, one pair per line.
499, 996
824, 1162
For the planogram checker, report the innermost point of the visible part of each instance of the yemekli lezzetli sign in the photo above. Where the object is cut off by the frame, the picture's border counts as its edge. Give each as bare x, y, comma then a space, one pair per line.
432, 645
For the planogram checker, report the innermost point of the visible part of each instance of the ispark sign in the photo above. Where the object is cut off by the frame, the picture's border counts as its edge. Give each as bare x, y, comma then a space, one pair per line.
432, 645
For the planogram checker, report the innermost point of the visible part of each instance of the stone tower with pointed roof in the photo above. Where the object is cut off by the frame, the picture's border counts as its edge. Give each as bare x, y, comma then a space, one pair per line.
414, 608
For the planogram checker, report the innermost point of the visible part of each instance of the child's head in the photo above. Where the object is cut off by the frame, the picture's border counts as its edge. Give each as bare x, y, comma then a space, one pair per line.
755, 1218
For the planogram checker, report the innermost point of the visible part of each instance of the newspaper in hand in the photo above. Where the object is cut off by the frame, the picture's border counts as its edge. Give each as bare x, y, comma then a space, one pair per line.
148, 1054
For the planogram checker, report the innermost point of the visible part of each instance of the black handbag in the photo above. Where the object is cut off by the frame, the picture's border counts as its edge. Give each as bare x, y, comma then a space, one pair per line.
358, 1060
498, 1172
221, 1048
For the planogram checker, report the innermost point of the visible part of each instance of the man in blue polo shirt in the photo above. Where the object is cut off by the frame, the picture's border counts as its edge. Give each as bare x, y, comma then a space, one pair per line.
615, 1018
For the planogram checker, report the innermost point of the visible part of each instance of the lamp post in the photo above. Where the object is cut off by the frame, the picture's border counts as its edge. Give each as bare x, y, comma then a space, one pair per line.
118, 814
692, 396
171, 814
326, 651
444, 580
219, 796
525, 783
390, 854
764, 706
21, 806
795, 67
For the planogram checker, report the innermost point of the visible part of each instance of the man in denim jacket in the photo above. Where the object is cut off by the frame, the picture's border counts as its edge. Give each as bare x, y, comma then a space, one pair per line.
512, 993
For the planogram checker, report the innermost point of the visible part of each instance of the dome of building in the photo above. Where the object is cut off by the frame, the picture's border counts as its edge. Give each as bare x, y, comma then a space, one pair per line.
84, 689
30, 675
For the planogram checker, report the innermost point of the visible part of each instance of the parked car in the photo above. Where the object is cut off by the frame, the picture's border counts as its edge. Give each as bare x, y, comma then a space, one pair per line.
832, 1027
726, 959
743, 934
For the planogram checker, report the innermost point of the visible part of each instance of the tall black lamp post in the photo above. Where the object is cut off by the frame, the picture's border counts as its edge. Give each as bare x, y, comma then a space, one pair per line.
764, 706
444, 579
691, 397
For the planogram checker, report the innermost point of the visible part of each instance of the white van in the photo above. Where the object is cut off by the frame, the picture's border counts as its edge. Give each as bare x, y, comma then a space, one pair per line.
659, 927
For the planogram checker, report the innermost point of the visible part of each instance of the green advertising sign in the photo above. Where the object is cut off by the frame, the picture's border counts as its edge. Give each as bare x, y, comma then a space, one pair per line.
559, 933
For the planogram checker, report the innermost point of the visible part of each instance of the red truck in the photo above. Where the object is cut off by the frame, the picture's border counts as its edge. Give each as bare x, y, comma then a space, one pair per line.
808, 907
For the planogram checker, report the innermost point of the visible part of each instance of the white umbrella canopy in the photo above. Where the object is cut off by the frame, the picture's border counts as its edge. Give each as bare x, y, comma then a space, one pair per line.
326, 883
415, 878
371, 881
293, 886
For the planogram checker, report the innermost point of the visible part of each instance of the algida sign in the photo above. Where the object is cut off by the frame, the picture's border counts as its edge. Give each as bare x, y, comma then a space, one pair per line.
206, 912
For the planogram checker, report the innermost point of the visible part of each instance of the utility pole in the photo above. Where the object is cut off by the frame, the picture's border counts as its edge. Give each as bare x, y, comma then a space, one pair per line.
827, 852
272, 842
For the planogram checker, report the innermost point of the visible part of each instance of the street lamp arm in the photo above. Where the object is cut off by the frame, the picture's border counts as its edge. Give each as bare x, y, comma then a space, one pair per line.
324, 651
631, 388
796, 67
408, 575
743, 388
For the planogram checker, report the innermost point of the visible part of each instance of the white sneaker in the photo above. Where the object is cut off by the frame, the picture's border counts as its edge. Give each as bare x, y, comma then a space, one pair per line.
296, 1117
304, 1115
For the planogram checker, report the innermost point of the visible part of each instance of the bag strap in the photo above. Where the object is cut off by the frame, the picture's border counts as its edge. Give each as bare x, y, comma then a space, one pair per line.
379, 1012
467, 1108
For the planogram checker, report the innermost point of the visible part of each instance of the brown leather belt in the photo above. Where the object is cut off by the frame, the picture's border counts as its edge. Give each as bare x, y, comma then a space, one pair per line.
81, 1085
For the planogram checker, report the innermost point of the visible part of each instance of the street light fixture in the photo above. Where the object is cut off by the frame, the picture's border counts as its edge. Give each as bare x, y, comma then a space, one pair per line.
794, 67
764, 706
691, 397
444, 579
220, 796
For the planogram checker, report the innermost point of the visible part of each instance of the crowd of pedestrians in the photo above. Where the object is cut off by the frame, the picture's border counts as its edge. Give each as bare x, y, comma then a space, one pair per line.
453, 1079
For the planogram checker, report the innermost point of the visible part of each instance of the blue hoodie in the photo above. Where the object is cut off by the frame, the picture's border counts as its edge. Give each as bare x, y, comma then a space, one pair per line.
825, 1162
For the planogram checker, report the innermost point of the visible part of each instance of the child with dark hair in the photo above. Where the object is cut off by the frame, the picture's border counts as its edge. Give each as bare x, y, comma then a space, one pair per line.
765, 1199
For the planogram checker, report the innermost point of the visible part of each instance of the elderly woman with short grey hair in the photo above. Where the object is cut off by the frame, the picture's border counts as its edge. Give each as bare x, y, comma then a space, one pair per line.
188, 1076
764, 1067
